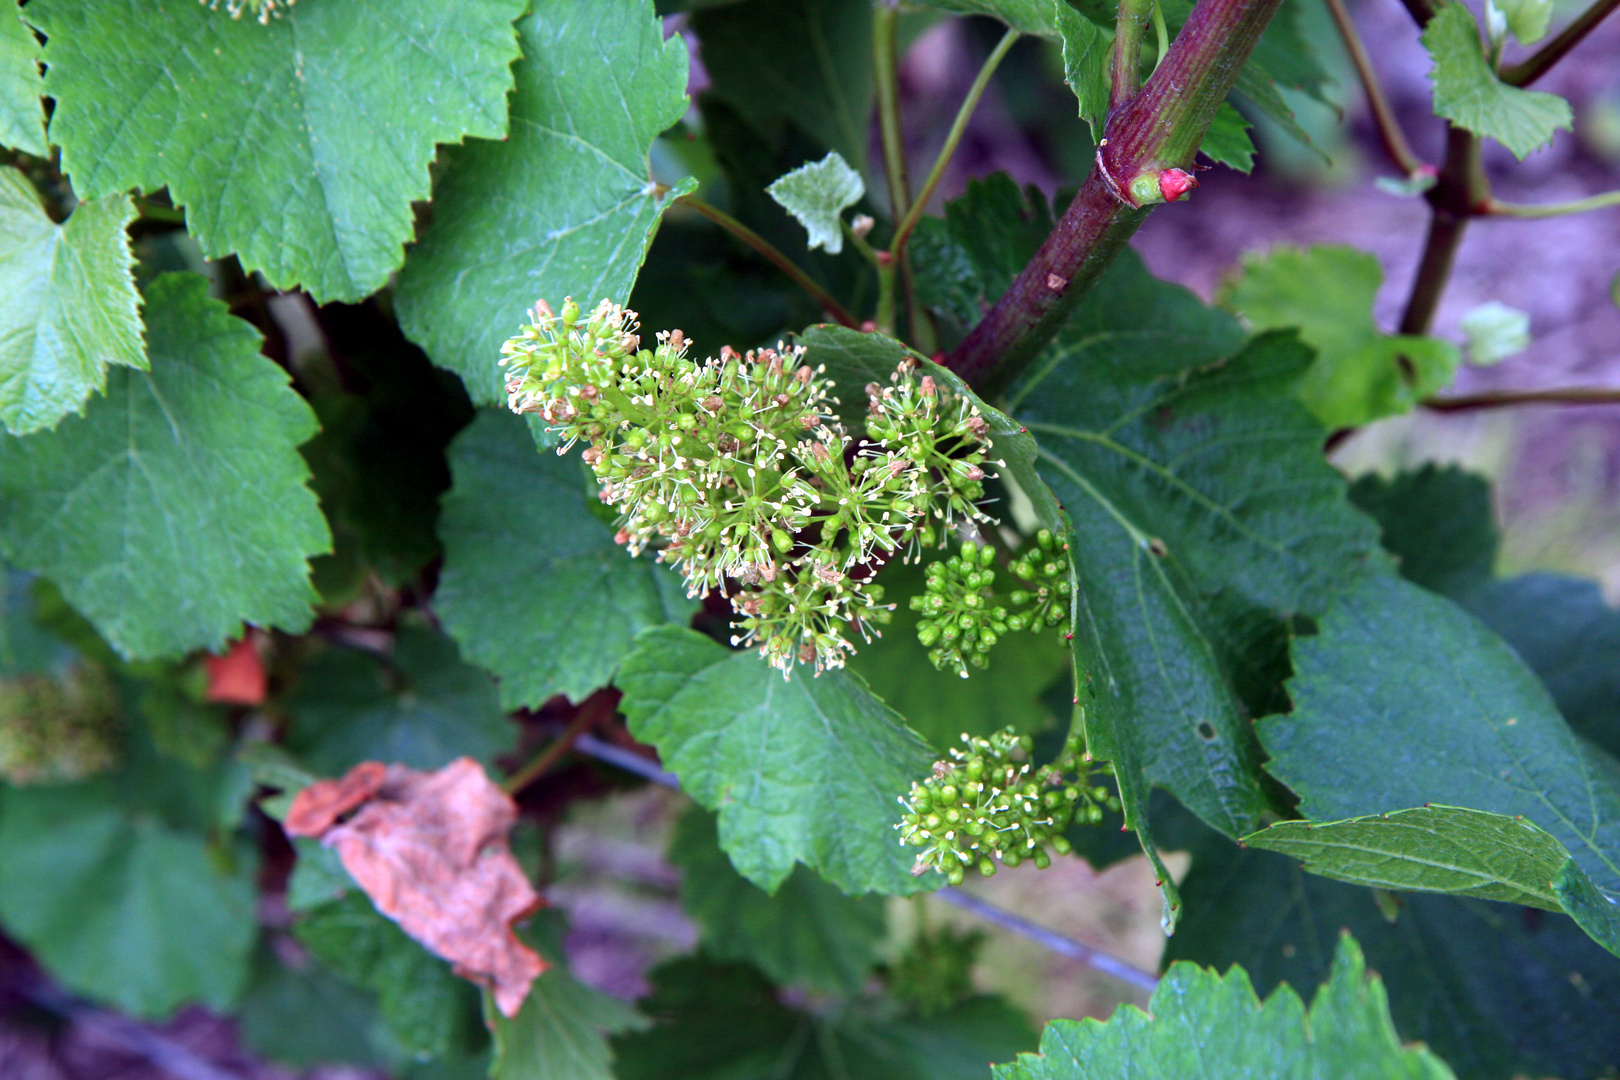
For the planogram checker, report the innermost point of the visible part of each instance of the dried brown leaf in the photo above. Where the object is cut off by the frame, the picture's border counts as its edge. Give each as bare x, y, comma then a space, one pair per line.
430, 849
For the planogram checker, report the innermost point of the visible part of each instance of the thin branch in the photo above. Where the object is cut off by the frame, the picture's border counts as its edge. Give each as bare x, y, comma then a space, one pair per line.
1536, 65
1389, 127
1497, 208
1093, 958
886, 68
1159, 128
748, 236
1125, 65
1460, 192
1496, 399
952, 139
595, 710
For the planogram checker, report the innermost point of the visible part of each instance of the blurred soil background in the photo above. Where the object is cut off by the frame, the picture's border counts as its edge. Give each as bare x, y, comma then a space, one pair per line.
1556, 469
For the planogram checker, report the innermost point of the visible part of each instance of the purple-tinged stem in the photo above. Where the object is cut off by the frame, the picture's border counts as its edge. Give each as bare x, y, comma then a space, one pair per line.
1159, 128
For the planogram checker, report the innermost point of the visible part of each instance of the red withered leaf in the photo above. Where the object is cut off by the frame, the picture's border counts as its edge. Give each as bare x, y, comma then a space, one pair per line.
238, 677
430, 849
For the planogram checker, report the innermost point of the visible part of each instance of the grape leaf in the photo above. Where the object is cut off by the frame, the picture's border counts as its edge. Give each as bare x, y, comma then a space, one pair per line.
806, 934
122, 906
303, 1016
1203, 514
424, 708
1447, 849
1498, 991
1327, 292
725, 1020
1200, 1023
965, 260
1468, 93
800, 770
1454, 717
533, 586
558, 1034
22, 113
816, 194
298, 145
416, 993
68, 306
563, 205
1227, 141
176, 508
804, 62
1437, 521
1562, 627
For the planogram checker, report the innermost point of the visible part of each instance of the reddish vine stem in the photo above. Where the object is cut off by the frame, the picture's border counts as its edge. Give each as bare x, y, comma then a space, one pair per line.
1160, 127
1460, 193
1495, 399
1539, 62
596, 709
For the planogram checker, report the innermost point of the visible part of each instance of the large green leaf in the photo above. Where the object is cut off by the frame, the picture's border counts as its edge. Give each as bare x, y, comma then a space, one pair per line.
1448, 849
1437, 522
1204, 516
1200, 1023
120, 905
1327, 292
176, 508
726, 1021
800, 770
562, 206
806, 934
299, 145
68, 306
1452, 716
417, 995
807, 63
1497, 991
423, 709
560, 1032
22, 113
1562, 627
302, 1015
965, 260
533, 587
1468, 93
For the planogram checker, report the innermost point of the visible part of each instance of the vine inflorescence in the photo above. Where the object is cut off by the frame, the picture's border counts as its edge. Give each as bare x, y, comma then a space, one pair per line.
986, 805
263, 10
738, 471
962, 616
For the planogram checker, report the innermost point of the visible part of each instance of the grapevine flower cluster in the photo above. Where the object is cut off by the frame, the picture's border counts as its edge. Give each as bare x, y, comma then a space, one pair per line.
263, 10
961, 617
985, 805
738, 472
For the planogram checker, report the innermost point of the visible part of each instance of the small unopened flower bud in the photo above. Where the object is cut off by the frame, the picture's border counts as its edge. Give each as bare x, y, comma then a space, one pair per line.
1174, 183
927, 386
861, 225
